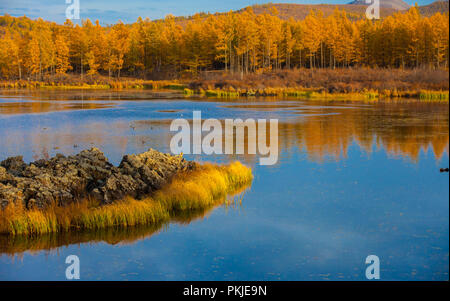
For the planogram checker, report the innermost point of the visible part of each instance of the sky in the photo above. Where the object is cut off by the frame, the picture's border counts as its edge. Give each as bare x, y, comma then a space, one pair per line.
110, 11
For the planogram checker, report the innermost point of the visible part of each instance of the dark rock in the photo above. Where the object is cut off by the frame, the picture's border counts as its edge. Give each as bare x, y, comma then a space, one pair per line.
5, 176
14, 165
63, 180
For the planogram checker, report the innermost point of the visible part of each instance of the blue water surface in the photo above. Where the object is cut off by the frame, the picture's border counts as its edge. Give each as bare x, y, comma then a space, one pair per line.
352, 180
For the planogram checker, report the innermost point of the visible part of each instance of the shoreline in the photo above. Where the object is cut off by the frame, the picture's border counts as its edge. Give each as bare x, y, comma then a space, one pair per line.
312, 94
298, 93
363, 84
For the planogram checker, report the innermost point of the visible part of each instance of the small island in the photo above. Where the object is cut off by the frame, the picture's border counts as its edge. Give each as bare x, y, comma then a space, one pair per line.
86, 192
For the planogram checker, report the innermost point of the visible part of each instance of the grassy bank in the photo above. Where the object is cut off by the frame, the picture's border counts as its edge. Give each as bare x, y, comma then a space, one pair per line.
345, 83
425, 95
190, 191
101, 84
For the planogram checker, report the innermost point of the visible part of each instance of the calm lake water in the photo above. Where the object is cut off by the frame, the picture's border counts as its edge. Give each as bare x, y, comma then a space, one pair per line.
352, 180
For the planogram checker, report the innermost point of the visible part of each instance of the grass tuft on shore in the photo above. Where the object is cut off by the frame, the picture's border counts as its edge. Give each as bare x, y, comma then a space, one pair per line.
195, 190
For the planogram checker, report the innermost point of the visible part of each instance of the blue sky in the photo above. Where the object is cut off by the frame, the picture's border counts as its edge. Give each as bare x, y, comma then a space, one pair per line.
109, 11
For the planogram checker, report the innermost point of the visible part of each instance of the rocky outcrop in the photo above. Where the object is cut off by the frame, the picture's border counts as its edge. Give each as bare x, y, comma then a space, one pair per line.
64, 179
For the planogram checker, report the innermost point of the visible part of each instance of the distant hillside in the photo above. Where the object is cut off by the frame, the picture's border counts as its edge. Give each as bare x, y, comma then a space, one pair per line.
435, 7
355, 11
300, 11
395, 4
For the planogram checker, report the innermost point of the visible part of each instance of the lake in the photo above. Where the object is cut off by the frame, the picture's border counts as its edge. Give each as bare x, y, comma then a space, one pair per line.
353, 179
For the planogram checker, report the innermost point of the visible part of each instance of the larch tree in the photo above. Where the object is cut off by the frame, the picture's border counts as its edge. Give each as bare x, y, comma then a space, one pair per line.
62, 55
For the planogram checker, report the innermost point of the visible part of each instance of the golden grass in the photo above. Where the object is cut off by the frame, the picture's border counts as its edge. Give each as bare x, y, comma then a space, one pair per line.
312, 94
100, 84
14, 245
18, 244
190, 191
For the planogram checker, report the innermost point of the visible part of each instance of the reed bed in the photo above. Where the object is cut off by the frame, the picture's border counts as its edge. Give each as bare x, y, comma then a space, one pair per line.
301, 93
195, 190
18, 244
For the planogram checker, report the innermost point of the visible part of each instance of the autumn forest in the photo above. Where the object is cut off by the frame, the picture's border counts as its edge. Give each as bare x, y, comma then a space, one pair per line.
241, 43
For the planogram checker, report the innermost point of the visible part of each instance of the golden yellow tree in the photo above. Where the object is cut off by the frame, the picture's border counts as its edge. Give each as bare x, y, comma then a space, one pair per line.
62, 55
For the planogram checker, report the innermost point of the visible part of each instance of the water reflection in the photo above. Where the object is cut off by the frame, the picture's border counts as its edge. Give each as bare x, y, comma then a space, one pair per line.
44, 95
324, 132
400, 129
10, 108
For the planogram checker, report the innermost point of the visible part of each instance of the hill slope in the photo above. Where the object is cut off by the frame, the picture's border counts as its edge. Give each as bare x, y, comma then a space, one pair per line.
395, 4
435, 7
356, 9
300, 11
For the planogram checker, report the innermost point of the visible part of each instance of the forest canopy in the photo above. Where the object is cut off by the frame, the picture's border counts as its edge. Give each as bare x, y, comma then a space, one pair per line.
242, 42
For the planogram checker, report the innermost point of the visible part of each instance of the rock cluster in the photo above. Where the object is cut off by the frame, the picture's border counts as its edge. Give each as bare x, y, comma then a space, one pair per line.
64, 179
